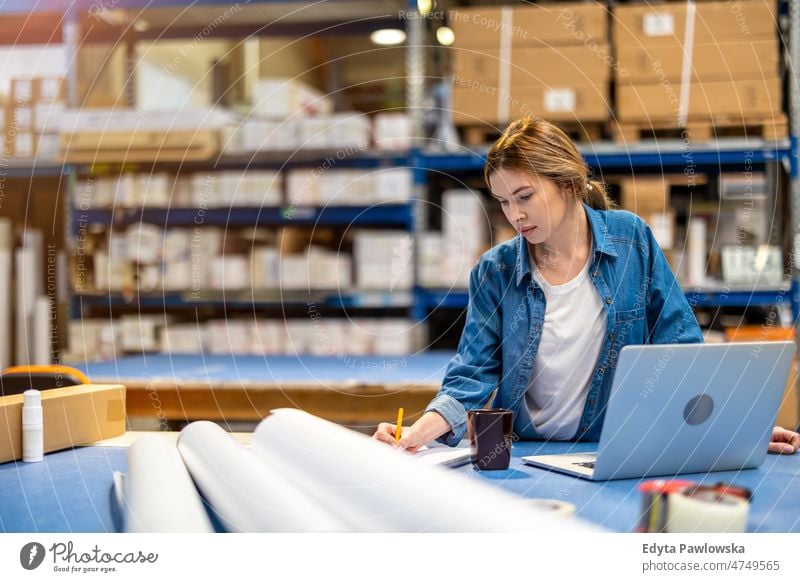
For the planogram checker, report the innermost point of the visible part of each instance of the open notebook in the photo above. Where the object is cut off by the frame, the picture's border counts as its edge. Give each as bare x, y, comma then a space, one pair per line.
438, 454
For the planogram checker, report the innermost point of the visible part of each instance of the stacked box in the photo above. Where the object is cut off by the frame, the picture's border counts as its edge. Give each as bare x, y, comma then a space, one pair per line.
698, 61
184, 338
509, 62
279, 99
383, 260
465, 233
32, 117
314, 186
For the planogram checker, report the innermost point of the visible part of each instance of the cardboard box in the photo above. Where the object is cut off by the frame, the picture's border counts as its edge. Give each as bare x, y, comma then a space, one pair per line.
707, 100
75, 415
280, 98
393, 131
21, 91
49, 90
710, 62
20, 118
554, 24
21, 144
478, 104
531, 65
645, 195
714, 22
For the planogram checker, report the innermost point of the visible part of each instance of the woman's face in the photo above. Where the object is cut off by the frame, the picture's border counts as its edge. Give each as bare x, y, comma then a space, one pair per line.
534, 205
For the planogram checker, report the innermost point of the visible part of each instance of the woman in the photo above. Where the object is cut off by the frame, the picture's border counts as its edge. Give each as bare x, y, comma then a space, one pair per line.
550, 310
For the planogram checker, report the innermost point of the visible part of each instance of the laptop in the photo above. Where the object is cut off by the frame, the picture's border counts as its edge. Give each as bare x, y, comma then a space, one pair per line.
685, 408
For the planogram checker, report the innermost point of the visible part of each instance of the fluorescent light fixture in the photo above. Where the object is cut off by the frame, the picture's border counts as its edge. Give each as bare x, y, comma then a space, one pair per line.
445, 35
388, 36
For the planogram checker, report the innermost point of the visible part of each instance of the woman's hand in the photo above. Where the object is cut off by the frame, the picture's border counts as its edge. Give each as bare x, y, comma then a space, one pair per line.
429, 427
784, 441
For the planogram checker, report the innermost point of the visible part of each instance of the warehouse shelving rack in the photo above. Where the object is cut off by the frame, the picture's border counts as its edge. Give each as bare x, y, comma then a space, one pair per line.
604, 158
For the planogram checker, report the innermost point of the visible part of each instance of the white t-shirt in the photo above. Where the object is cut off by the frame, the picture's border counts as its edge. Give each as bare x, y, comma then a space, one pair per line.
572, 336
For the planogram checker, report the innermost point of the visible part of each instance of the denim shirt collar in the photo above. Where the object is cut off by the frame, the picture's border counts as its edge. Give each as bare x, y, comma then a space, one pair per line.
601, 242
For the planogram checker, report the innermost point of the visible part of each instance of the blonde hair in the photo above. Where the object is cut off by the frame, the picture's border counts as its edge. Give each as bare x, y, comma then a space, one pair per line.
534, 145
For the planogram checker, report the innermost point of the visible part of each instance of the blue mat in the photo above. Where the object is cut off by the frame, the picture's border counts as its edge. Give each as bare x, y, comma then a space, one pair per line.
428, 367
70, 491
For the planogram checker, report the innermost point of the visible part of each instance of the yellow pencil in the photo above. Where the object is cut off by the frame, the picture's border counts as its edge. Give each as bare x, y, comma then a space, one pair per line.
399, 428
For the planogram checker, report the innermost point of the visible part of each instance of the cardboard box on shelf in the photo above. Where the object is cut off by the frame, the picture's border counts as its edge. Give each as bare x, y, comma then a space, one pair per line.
21, 144
393, 185
709, 62
280, 98
554, 24
645, 195
264, 265
141, 333
230, 273
713, 22
486, 104
21, 92
47, 117
49, 90
383, 260
392, 337
392, 131
269, 337
46, 146
253, 135
229, 336
707, 100
528, 66
183, 338
20, 118
72, 416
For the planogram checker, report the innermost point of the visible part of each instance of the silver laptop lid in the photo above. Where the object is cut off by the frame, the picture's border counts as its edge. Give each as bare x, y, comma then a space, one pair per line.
686, 408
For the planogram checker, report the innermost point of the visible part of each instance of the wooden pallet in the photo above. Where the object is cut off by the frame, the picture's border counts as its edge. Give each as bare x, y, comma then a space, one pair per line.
774, 127
481, 135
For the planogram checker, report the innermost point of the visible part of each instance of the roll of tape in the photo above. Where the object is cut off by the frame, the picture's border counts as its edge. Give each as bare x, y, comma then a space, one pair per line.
703, 509
553, 506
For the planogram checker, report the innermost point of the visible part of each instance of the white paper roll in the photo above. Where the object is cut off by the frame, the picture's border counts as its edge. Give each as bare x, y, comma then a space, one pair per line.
706, 513
246, 494
159, 494
6, 293
26, 275
697, 251
376, 488
42, 349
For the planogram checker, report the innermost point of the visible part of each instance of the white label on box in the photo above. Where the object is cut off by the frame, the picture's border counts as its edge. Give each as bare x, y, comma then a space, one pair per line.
559, 100
659, 24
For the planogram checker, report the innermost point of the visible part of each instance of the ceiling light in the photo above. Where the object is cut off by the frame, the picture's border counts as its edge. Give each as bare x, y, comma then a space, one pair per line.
388, 36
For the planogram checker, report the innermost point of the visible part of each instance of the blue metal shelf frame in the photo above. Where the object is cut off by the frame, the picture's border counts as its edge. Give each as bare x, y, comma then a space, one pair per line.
458, 298
665, 157
239, 300
397, 215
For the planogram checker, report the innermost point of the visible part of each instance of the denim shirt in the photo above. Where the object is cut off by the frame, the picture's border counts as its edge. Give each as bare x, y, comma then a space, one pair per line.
644, 304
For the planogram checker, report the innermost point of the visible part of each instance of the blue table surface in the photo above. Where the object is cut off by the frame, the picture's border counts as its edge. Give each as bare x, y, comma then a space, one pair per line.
71, 490
426, 367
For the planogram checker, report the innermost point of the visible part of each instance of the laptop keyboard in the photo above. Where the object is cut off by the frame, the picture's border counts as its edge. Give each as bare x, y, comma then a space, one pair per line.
586, 464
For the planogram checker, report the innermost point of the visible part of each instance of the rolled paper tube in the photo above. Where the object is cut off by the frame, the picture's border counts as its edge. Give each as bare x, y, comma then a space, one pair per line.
378, 488
246, 494
159, 495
